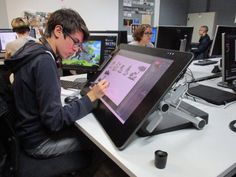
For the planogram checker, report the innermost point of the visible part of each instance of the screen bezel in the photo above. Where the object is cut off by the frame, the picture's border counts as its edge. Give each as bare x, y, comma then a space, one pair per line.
226, 61
122, 35
120, 133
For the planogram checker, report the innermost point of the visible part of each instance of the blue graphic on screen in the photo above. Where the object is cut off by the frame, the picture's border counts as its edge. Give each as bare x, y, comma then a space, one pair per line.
89, 55
154, 33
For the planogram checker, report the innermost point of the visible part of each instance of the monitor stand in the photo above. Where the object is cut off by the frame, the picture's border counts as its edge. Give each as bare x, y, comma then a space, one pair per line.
173, 114
183, 44
227, 84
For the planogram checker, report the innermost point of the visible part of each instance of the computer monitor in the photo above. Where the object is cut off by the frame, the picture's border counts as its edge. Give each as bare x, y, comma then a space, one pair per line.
216, 47
110, 42
89, 58
7, 35
228, 60
174, 37
122, 35
139, 78
154, 35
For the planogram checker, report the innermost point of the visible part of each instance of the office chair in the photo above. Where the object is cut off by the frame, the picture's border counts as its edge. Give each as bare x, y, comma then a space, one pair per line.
22, 165
203, 55
207, 51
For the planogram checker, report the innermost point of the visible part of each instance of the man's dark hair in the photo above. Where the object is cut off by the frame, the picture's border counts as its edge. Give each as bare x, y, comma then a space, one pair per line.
70, 21
138, 33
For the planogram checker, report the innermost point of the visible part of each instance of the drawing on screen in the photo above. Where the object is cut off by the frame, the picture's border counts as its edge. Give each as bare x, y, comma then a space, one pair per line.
129, 87
121, 74
134, 75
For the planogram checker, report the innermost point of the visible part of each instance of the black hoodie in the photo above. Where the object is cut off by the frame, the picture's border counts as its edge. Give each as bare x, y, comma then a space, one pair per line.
37, 94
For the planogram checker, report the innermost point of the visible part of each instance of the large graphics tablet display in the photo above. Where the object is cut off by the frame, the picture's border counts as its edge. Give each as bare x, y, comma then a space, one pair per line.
139, 77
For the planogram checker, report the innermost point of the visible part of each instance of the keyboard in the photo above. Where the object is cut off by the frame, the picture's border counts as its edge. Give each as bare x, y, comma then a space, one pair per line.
205, 62
212, 95
71, 84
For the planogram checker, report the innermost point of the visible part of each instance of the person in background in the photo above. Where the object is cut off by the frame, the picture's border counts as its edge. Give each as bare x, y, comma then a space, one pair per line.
142, 36
202, 48
22, 29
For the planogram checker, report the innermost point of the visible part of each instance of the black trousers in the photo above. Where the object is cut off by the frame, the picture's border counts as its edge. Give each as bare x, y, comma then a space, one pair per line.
63, 142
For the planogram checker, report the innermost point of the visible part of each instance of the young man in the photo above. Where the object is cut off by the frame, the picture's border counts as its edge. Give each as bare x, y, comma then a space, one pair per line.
204, 43
44, 126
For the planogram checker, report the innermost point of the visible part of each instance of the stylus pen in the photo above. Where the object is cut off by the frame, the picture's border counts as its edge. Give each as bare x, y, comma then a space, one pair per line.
93, 83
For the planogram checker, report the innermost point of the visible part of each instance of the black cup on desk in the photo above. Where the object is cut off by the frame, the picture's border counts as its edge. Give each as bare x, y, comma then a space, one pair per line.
160, 159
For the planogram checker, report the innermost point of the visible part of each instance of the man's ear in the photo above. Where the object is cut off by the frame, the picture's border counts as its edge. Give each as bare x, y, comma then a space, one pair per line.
58, 31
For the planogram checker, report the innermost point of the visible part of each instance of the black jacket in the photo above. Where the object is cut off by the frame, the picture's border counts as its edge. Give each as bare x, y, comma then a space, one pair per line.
204, 43
37, 94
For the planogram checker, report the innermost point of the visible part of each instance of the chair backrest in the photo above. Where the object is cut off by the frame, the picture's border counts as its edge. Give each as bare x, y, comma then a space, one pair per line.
8, 141
207, 51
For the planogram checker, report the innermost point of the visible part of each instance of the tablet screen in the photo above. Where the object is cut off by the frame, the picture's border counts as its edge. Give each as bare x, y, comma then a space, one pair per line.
128, 82
138, 78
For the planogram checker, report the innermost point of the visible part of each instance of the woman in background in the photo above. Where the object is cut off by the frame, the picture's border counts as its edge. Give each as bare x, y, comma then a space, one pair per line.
142, 36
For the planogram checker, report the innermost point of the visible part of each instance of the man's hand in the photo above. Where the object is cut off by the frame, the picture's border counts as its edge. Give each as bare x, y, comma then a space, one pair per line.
98, 90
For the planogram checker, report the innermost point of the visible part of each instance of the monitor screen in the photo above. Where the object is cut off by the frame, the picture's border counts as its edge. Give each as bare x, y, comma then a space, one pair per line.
6, 36
228, 60
138, 78
154, 35
89, 58
170, 37
216, 48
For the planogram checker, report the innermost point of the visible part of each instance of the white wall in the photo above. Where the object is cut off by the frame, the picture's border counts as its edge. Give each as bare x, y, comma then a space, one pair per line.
3, 14
98, 14
157, 13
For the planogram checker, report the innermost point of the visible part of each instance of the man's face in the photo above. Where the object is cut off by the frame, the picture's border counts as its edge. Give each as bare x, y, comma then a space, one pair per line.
202, 31
70, 44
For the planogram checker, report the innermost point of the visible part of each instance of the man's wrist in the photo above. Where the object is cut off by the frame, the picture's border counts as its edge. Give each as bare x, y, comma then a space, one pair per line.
91, 96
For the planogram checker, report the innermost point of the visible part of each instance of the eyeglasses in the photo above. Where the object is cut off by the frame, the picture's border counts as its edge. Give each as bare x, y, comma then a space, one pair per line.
147, 33
77, 43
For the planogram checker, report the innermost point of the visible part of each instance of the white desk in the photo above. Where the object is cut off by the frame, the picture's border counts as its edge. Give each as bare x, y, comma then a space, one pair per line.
202, 71
191, 152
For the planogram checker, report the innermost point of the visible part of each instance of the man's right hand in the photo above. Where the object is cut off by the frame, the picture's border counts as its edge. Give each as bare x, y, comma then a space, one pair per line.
98, 90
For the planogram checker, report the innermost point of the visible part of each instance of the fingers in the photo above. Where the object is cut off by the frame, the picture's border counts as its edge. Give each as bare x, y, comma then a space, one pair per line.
98, 90
103, 83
